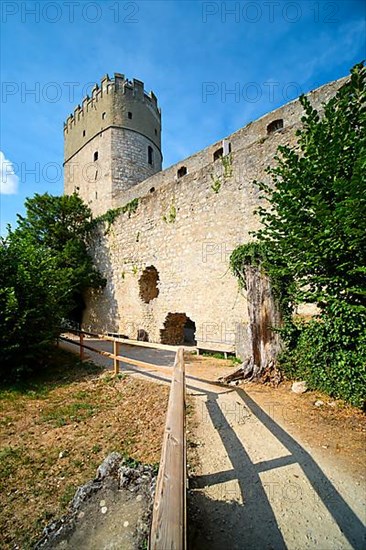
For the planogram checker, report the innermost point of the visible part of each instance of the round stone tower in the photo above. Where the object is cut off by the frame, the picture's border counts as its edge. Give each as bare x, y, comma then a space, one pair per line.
112, 142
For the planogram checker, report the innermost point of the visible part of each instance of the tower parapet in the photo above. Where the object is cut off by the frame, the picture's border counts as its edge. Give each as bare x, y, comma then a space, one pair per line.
128, 119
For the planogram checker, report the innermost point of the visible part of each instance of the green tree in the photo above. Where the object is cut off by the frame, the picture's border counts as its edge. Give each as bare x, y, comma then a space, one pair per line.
44, 270
31, 285
313, 239
316, 223
63, 225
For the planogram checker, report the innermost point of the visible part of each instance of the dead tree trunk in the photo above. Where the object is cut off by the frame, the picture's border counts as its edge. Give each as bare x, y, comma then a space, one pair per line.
264, 316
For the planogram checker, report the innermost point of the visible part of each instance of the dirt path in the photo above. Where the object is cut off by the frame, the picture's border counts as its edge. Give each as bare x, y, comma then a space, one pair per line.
257, 486
262, 479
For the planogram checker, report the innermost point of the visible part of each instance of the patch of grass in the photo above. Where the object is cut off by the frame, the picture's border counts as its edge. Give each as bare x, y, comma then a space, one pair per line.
57, 429
62, 368
9, 461
74, 412
67, 495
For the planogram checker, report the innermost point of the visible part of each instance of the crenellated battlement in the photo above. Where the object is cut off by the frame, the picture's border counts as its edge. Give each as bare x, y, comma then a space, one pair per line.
112, 141
119, 85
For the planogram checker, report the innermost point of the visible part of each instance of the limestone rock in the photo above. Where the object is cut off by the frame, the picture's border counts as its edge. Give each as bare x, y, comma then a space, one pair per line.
299, 387
109, 465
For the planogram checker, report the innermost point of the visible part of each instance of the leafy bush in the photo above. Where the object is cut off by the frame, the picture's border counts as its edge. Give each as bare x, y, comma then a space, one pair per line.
44, 270
330, 353
312, 242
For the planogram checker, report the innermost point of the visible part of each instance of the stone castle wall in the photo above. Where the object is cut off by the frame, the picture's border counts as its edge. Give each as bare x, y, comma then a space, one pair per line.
187, 231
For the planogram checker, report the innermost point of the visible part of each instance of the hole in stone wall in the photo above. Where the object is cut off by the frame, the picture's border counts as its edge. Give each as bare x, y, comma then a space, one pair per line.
275, 125
104, 115
95, 156
182, 171
142, 335
218, 154
178, 329
129, 114
83, 133
152, 189
148, 284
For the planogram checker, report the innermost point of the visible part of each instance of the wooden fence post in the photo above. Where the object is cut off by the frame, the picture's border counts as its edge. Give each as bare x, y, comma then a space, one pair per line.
81, 346
168, 526
115, 353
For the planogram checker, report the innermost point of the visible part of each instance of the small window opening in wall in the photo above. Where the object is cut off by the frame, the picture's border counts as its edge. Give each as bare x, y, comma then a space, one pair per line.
152, 189
182, 171
218, 154
83, 133
156, 132
96, 194
95, 156
148, 284
129, 114
150, 155
142, 335
275, 125
104, 115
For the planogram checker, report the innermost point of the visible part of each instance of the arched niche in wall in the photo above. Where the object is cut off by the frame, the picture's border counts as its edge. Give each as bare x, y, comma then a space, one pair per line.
148, 284
178, 329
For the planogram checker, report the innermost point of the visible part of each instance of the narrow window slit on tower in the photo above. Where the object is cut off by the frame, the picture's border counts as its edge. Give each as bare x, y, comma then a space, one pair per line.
129, 114
83, 133
104, 115
95, 156
275, 125
182, 171
150, 155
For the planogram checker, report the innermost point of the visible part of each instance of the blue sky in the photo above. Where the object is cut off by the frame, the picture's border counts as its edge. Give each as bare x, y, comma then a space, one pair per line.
192, 54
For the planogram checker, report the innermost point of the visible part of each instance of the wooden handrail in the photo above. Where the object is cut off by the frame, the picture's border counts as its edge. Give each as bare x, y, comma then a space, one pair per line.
153, 345
115, 356
168, 528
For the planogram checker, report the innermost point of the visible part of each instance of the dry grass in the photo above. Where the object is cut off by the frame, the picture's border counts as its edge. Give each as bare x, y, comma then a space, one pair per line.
57, 430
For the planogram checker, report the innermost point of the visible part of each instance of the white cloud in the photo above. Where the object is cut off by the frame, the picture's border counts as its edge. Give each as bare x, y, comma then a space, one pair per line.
8, 179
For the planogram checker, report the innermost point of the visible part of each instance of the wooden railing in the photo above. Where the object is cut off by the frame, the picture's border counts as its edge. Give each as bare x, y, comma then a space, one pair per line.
168, 527
117, 346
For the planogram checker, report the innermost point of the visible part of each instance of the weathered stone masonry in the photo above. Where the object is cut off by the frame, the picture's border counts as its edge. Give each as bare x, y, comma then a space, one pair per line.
185, 227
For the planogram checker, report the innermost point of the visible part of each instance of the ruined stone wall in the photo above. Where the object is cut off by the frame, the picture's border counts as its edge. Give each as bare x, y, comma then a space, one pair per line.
186, 228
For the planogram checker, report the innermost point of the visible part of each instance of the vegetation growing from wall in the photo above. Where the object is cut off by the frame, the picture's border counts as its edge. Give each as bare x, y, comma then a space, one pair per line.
44, 270
219, 179
313, 239
112, 214
255, 253
171, 216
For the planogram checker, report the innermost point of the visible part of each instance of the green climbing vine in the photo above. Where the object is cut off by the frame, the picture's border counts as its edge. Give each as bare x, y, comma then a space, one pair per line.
112, 214
171, 216
257, 254
227, 163
216, 183
219, 179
